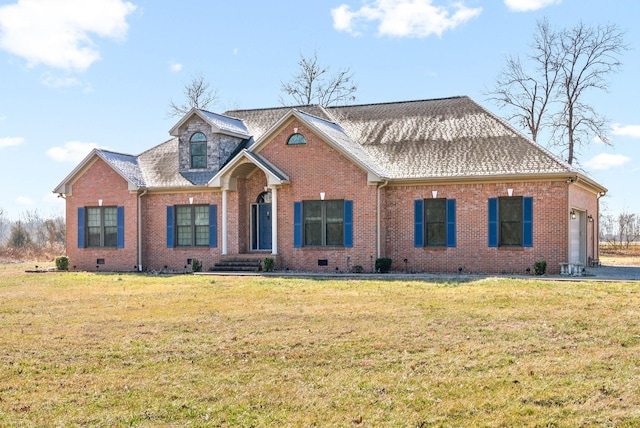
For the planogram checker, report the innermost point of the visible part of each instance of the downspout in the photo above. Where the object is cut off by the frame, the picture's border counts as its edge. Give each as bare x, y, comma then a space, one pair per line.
378, 219
597, 219
140, 195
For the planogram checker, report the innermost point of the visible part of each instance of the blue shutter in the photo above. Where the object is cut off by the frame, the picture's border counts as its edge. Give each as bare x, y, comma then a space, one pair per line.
213, 226
120, 236
418, 223
451, 222
170, 236
81, 227
527, 222
297, 224
348, 224
493, 222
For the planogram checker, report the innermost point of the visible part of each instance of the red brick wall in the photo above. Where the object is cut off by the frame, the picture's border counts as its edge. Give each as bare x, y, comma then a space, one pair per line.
155, 254
472, 252
316, 167
100, 181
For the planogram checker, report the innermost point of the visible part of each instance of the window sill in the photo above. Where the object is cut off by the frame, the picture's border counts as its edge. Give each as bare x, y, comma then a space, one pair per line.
512, 248
322, 247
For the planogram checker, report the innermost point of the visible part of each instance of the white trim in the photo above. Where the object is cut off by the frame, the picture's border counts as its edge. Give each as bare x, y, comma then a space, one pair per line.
274, 220
224, 223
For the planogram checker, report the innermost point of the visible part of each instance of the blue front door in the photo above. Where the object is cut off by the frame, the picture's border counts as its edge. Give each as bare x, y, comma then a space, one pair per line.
261, 226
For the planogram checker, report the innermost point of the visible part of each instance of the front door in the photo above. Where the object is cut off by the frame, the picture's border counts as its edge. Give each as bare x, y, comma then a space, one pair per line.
261, 223
577, 241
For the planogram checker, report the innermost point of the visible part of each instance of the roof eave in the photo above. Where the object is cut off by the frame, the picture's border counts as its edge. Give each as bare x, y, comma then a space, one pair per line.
569, 177
274, 178
215, 129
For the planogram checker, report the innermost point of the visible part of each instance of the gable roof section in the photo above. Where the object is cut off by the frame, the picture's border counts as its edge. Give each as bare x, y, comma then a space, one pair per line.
243, 164
220, 124
332, 133
260, 121
124, 164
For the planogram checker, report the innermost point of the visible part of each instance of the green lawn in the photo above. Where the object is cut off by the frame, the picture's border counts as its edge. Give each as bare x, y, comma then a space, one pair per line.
82, 349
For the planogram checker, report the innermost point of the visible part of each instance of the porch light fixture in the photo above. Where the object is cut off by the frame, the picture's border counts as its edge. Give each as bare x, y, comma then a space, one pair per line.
99, 202
322, 196
590, 217
191, 201
434, 194
573, 215
510, 192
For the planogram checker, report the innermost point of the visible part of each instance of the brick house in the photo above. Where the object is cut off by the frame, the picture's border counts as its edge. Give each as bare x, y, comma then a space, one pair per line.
436, 185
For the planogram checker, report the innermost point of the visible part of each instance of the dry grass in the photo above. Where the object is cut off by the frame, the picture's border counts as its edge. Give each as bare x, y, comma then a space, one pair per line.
620, 256
82, 349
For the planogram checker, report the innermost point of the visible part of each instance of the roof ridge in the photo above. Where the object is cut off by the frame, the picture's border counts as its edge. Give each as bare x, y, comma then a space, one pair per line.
296, 107
401, 102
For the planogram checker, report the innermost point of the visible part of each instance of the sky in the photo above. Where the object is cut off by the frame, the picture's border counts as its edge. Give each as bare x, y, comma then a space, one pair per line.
80, 74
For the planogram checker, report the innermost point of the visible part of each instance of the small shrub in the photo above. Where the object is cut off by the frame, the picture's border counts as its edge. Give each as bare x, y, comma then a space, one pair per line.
267, 264
357, 269
383, 265
62, 263
540, 267
196, 265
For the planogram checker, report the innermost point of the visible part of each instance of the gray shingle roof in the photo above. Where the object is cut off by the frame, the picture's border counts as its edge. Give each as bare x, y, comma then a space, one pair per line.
226, 123
412, 140
452, 137
126, 165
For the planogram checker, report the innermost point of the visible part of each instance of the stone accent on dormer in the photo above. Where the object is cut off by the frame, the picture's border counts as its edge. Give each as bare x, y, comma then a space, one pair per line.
219, 146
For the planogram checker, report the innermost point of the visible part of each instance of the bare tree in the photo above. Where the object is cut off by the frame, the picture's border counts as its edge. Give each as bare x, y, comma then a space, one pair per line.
19, 237
564, 66
587, 56
198, 94
620, 231
528, 94
314, 85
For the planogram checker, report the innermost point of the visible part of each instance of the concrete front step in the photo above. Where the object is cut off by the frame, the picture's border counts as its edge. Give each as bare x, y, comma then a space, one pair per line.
240, 263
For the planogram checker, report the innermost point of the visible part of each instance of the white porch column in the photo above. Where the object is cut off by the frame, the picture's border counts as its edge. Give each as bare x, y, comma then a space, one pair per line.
224, 222
274, 220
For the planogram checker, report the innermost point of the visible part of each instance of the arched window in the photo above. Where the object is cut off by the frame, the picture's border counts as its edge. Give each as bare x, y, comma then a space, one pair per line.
264, 198
198, 150
296, 139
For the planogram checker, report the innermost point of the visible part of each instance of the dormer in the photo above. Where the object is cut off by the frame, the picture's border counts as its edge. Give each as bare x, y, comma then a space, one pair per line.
207, 140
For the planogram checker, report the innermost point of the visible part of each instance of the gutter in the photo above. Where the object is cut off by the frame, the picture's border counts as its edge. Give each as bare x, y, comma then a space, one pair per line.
140, 195
378, 218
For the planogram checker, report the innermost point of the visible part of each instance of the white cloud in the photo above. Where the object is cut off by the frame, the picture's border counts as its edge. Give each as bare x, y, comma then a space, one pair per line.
529, 5
175, 67
57, 33
606, 161
24, 200
10, 142
59, 82
626, 131
72, 151
403, 18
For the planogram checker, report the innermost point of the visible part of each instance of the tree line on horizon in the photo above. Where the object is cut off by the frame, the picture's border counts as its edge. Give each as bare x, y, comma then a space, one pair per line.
32, 236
